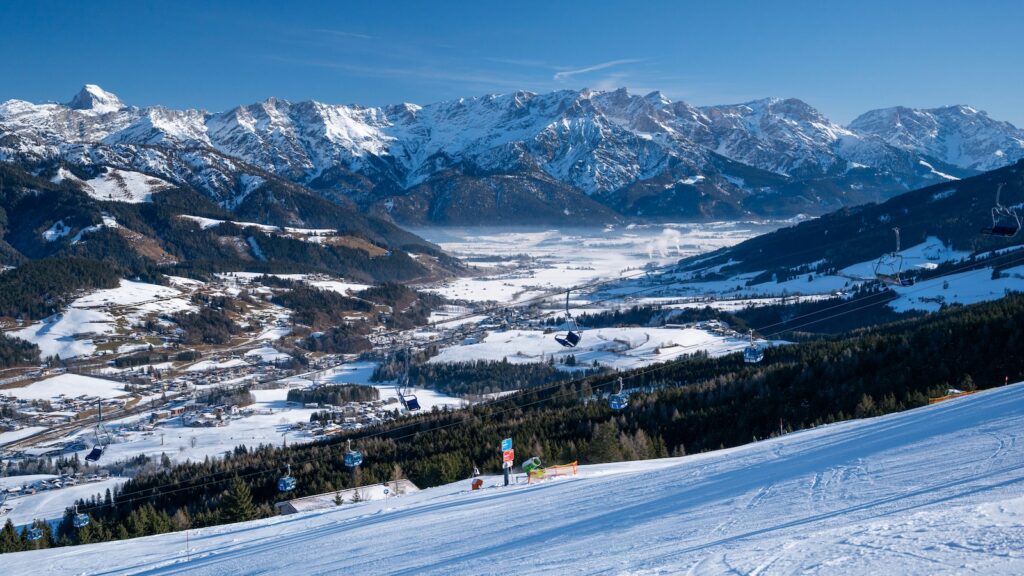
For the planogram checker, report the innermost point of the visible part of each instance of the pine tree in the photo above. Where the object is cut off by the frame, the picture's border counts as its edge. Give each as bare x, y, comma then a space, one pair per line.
9, 540
396, 475
604, 447
236, 504
181, 520
86, 534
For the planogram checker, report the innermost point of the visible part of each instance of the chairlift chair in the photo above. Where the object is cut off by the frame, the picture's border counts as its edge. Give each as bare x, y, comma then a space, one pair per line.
889, 268
1005, 220
287, 483
102, 437
35, 534
618, 400
410, 402
752, 354
353, 458
407, 399
574, 334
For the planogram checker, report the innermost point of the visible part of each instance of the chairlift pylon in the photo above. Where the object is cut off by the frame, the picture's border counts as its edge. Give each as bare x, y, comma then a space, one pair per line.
1005, 220
574, 334
889, 268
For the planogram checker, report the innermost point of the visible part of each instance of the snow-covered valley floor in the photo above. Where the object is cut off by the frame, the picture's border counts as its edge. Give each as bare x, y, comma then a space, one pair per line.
938, 490
561, 258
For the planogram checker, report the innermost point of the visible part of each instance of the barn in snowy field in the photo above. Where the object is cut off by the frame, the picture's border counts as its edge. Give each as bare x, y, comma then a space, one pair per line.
331, 499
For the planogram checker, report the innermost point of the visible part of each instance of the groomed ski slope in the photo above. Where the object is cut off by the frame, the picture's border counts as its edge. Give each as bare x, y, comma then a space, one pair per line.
930, 491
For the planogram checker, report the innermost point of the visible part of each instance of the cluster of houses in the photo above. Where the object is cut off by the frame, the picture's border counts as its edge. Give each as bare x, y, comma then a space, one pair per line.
351, 416
54, 411
55, 483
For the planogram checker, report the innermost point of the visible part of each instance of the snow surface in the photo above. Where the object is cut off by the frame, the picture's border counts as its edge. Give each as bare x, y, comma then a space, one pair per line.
621, 348
15, 435
7, 482
341, 287
56, 232
126, 294
681, 290
124, 186
270, 424
206, 365
930, 252
92, 99
963, 288
71, 332
938, 490
562, 258
267, 354
50, 504
68, 385
360, 373
63, 334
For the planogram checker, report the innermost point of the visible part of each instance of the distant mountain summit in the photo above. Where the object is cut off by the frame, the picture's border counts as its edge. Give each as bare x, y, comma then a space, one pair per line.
958, 135
92, 98
573, 156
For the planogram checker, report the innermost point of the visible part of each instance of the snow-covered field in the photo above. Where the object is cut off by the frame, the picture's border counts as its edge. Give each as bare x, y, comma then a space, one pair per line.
207, 365
938, 490
963, 288
622, 348
68, 334
118, 185
50, 504
360, 373
184, 443
15, 435
68, 385
72, 332
928, 295
567, 257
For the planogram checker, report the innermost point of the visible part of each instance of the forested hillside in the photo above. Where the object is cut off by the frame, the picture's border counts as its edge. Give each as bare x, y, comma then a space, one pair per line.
62, 240
954, 212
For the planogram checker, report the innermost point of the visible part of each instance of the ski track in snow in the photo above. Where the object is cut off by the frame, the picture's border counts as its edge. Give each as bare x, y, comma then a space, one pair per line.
938, 490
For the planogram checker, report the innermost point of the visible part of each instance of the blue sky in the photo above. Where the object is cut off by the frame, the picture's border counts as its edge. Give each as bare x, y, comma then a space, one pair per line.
842, 57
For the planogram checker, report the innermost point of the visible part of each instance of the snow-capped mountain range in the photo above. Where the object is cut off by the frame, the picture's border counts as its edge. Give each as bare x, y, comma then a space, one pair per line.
565, 154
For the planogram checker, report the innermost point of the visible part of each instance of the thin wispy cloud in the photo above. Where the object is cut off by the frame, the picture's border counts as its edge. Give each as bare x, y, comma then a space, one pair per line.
342, 33
565, 74
432, 72
521, 62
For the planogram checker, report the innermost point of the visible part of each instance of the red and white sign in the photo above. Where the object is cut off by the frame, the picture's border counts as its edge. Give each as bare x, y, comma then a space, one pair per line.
508, 455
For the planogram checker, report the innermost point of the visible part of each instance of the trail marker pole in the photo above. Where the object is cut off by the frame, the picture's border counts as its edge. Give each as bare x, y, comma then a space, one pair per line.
508, 456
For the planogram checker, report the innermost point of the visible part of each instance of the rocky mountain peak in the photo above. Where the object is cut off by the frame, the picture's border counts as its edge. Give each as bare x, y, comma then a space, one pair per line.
92, 98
